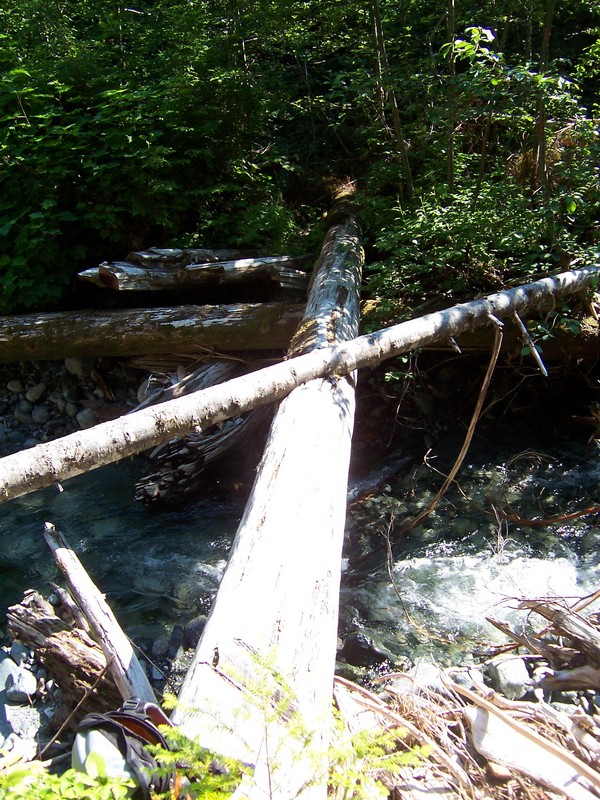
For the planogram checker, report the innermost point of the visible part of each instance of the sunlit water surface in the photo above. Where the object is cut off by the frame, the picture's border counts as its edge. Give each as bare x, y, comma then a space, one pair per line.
462, 564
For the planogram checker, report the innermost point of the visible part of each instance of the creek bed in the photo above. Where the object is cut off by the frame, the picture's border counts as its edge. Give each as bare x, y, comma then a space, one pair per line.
159, 567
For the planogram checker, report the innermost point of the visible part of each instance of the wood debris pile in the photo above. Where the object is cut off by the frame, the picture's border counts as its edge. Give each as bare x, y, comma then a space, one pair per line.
476, 743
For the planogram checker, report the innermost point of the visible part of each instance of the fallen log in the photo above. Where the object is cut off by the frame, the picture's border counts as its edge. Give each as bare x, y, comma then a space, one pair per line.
179, 257
568, 623
108, 442
260, 685
242, 326
71, 656
179, 462
124, 666
125, 276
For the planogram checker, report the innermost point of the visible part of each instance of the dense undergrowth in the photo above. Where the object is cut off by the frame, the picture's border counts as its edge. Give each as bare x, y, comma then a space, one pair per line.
470, 133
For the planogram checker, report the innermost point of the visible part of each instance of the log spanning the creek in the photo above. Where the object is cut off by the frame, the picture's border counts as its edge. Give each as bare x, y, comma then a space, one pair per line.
108, 442
260, 685
240, 326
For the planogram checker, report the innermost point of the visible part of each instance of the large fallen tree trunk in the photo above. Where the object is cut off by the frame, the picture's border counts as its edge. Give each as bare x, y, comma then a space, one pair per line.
71, 656
79, 452
260, 685
242, 326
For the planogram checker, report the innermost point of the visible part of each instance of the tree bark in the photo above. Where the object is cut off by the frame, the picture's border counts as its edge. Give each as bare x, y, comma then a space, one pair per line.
108, 442
179, 462
242, 326
127, 276
71, 657
260, 686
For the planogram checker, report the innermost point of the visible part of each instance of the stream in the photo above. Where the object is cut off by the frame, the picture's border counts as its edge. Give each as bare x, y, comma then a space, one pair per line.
162, 567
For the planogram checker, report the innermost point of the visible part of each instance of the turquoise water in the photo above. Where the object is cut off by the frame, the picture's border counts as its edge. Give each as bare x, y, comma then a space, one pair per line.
462, 564
156, 568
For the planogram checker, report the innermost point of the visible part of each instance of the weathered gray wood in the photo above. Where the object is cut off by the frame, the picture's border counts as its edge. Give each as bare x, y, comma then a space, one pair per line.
179, 462
124, 666
242, 326
110, 441
261, 682
175, 256
570, 624
126, 276
72, 658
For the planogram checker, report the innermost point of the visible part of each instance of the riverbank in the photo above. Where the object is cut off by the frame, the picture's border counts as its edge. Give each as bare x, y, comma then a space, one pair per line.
524, 724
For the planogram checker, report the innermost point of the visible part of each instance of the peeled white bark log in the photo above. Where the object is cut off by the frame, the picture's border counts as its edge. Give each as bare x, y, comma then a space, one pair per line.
79, 452
260, 686
123, 663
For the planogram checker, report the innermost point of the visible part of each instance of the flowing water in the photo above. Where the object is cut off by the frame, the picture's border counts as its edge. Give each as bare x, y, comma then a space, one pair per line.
156, 568
432, 595
474, 556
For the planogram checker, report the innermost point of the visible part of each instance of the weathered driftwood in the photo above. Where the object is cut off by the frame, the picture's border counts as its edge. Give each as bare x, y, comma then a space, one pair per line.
242, 326
110, 441
570, 643
179, 462
124, 666
260, 685
566, 622
502, 739
73, 659
159, 276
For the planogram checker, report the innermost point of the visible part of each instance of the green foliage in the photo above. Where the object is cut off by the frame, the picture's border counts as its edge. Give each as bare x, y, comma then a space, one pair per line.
206, 775
34, 782
448, 247
358, 760
175, 123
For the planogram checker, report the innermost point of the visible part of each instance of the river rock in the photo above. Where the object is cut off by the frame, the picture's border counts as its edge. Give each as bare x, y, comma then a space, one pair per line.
510, 677
86, 418
35, 393
71, 410
19, 652
80, 367
21, 686
175, 642
15, 386
40, 414
8, 670
20, 748
16, 438
193, 631
362, 651
426, 675
22, 417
